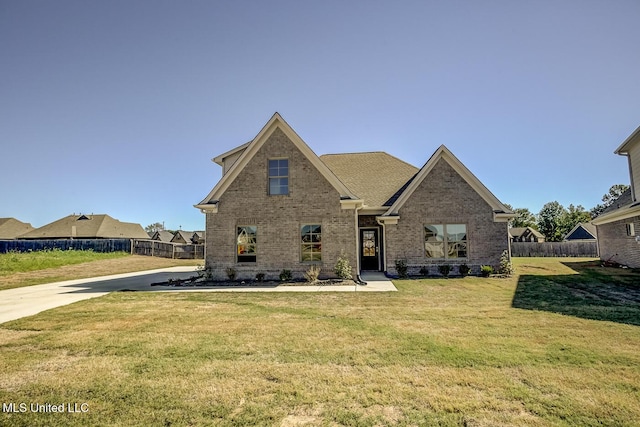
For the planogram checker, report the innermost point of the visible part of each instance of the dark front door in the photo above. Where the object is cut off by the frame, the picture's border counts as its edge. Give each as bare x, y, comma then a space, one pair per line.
369, 249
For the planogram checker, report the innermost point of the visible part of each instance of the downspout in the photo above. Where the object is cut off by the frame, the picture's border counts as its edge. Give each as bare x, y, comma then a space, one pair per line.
357, 229
384, 245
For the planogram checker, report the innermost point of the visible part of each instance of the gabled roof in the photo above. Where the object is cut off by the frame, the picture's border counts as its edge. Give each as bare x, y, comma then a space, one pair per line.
185, 236
88, 227
519, 231
582, 231
162, 236
623, 149
249, 150
501, 212
10, 228
362, 173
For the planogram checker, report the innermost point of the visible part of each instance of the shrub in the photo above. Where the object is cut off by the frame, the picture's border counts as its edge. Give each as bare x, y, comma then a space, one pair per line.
260, 277
402, 268
486, 270
231, 273
342, 268
285, 275
506, 267
444, 270
424, 270
312, 273
464, 270
204, 272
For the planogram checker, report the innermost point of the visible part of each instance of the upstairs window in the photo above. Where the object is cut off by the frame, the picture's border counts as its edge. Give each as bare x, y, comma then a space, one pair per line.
278, 176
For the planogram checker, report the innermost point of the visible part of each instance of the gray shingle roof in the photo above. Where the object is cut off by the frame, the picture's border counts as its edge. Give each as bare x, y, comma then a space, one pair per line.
88, 227
10, 228
375, 177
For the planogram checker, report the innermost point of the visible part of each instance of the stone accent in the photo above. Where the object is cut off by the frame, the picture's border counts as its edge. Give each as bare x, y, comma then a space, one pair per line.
444, 197
614, 244
311, 200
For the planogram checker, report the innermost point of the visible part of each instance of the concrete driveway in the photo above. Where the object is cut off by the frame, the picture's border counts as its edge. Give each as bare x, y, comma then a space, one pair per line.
30, 300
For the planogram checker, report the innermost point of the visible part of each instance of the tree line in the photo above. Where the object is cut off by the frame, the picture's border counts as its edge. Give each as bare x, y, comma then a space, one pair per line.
554, 221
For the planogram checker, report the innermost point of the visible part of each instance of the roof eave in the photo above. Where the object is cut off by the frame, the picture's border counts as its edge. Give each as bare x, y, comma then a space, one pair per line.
623, 149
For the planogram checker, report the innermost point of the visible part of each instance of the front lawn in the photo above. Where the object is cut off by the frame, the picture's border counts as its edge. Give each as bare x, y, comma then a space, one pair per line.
473, 351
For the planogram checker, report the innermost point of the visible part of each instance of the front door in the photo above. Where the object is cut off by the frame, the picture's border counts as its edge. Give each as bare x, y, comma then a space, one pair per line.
369, 249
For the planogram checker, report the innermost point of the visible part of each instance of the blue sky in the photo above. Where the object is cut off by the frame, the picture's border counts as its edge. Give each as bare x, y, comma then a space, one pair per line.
118, 107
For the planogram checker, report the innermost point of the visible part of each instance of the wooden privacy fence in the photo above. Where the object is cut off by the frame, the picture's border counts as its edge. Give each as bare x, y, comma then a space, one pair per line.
554, 249
96, 245
167, 250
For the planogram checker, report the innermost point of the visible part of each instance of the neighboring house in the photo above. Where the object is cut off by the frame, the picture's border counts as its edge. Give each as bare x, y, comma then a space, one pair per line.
87, 227
582, 232
280, 206
11, 228
525, 234
182, 237
618, 227
198, 237
162, 236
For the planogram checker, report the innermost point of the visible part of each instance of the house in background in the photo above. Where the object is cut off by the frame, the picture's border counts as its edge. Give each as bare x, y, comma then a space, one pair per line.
525, 234
618, 227
161, 235
88, 227
11, 228
582, 232
280, 206
182, 237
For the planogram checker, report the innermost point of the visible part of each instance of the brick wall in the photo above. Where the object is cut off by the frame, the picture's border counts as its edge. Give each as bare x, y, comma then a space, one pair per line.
616, 245
444, 197
311, 200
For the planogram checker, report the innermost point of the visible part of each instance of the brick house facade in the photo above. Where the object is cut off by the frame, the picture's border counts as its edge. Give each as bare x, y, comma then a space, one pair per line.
618, 227
280, 206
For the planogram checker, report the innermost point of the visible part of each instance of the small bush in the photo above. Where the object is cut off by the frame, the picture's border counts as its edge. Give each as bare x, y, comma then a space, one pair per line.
486, 270
231, 273
402, 268
312, 273
260, 277
285, 275
342, 268
424, 270
464, 270
506, 267
444, 270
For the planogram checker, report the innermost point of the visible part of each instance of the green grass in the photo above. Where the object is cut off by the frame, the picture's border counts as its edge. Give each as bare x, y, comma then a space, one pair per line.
17, 262
473, 351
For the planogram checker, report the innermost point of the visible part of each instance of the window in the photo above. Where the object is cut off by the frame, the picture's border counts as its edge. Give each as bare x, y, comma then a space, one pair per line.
246, 244
311, 240
445, 241
278, 176
631, 231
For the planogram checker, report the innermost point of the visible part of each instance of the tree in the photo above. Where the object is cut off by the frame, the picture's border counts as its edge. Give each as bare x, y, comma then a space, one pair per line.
550, 221
609, 198
571, 218
154, 227
524, 218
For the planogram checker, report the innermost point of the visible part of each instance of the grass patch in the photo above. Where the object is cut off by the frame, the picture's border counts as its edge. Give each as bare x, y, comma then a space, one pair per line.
438, 352
18, 262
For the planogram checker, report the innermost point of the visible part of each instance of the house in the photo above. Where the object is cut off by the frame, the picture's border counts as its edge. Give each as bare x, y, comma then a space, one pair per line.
11, 228
182, 237
162, 236
87, 227
280, 206
582, 232
618, 226
198, 237
525, 234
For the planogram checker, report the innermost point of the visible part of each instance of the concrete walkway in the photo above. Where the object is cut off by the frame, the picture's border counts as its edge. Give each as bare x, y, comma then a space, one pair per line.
27, 301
